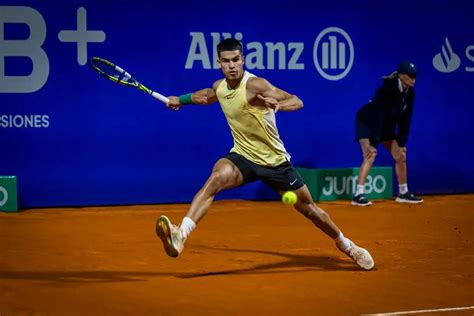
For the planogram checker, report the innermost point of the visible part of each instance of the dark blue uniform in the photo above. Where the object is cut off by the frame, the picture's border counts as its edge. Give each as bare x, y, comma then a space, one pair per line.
387, 116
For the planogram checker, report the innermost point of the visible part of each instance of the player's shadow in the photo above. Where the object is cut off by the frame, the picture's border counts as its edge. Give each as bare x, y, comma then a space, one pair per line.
83, 276
291, 263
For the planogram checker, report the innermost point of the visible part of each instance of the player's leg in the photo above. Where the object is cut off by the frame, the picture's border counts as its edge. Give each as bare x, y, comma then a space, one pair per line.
369, 153
225, 175
286, 178
400, 157
228, 172
316, 215
322, 220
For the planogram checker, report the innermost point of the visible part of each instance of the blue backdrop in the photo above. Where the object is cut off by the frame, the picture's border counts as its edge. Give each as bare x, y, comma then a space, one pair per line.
74, 138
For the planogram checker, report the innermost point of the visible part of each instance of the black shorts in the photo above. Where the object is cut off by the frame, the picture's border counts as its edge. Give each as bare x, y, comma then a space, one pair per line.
364, 131
283, 177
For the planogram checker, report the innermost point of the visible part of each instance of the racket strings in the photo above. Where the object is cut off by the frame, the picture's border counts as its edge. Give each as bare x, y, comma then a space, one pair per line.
119, 75
122, 75
113, 72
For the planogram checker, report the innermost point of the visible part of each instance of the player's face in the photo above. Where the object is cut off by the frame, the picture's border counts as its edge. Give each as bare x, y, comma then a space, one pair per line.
407, 81
232, 64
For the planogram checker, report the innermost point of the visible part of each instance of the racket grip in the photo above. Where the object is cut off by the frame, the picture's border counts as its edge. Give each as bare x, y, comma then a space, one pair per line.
160, 97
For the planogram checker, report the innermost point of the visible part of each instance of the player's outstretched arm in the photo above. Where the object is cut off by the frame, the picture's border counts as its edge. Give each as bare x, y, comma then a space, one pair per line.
262, 92
201, 97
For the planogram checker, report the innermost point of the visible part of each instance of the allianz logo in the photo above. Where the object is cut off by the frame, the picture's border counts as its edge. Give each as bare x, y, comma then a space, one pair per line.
347, 185
333, 53
448, 60
4, 196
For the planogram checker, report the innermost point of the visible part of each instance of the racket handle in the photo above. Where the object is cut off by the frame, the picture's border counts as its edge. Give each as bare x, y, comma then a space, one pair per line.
160, 97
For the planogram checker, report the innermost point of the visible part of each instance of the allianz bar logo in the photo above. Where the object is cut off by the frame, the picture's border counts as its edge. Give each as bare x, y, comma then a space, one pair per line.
336, 184
333, 53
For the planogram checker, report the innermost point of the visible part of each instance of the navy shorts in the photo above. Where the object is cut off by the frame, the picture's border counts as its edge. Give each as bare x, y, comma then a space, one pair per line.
364, 131
283, 177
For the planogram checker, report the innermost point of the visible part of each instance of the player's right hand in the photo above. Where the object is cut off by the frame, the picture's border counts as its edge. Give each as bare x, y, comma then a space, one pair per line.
270, 102
174, 103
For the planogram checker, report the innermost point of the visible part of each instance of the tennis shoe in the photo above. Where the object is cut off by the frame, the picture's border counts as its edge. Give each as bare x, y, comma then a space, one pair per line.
170, 235
409, 198
359, 255
360, 200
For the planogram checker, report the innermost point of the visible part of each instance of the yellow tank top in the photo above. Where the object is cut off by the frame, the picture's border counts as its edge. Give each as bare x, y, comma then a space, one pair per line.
253, 129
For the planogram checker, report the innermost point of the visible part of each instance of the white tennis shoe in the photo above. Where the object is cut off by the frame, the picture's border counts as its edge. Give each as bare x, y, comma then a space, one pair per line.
170, 235
359, 255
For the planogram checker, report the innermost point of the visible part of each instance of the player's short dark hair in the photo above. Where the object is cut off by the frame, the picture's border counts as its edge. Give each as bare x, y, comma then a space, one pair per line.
229, 44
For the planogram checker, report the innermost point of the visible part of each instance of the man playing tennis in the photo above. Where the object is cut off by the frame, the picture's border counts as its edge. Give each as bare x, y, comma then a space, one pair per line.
249, 104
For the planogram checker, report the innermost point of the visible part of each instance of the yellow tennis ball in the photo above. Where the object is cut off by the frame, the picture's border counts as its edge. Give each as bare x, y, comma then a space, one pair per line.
289, 197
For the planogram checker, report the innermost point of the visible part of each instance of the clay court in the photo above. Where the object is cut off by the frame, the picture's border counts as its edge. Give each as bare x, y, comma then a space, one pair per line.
245, 258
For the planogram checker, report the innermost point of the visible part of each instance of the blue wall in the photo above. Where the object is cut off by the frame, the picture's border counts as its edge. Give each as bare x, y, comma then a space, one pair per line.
95, 142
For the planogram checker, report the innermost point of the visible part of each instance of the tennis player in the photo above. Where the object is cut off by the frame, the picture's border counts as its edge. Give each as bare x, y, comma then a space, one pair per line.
249, 104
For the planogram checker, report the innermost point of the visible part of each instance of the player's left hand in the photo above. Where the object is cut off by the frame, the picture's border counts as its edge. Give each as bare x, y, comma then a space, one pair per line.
270, 102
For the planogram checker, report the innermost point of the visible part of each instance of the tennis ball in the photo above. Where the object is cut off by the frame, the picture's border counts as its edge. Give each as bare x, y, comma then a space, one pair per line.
289, 197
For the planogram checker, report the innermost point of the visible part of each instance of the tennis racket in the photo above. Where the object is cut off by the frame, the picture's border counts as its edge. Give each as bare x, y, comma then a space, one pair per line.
116, 74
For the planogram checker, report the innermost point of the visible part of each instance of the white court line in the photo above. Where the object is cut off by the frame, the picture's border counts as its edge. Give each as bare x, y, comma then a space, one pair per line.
423, 311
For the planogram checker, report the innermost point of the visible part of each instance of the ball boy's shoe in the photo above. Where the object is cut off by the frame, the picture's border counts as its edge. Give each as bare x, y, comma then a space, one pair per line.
409, 198
360, 200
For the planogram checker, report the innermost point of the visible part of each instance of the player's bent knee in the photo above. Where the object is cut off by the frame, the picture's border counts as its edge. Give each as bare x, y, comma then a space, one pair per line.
222, 179
304, 199
216, 182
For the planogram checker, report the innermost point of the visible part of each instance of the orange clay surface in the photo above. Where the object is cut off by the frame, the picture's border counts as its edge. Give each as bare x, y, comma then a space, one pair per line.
244, 258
